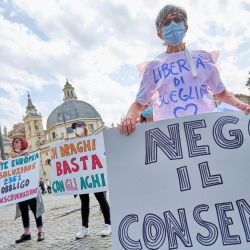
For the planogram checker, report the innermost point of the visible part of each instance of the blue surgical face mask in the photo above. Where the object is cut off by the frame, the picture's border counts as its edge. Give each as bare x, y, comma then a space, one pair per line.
174, 33
148, 112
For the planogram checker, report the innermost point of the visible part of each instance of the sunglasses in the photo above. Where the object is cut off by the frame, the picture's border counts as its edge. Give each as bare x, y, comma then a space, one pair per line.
17, 141
176, 17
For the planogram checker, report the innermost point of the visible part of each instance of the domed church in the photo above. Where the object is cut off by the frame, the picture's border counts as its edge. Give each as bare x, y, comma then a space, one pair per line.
58, 124
60, 120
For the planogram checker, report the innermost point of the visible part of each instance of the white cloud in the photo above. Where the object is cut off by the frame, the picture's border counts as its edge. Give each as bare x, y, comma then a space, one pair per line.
87, 41
12, 113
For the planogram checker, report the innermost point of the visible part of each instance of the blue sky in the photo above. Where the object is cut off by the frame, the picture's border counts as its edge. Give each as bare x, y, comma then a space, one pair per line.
97, 46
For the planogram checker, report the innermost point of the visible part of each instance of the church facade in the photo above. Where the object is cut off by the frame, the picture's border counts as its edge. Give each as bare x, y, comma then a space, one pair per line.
58, 125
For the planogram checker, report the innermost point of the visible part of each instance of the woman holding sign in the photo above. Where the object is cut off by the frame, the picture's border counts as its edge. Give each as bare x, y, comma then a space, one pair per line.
20, 146
178, 82
81, 130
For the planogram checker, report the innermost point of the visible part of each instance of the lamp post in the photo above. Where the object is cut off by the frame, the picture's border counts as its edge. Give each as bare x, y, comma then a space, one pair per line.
64, 120
1, 145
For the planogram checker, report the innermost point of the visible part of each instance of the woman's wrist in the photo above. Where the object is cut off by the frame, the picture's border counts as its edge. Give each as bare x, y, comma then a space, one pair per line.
242, 106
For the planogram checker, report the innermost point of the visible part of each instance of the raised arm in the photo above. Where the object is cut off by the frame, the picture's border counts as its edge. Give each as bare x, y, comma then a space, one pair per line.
229, 98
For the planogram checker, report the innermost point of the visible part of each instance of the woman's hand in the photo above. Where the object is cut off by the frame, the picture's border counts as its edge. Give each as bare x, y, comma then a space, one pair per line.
127, 125
244, 107
229, 98
247, 111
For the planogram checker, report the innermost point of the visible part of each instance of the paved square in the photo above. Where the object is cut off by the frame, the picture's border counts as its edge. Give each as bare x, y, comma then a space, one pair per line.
62, 219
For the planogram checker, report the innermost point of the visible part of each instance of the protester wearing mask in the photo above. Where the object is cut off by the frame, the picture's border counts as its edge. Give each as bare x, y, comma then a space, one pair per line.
146, 115
81, 130
19, 146
178, 82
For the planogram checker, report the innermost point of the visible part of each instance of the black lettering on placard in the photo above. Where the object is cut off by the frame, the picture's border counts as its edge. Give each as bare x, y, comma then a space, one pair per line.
219, 137
170, 145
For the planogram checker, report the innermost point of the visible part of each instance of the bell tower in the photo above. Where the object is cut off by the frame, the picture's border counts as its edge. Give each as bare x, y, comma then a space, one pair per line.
34, 131
69, 92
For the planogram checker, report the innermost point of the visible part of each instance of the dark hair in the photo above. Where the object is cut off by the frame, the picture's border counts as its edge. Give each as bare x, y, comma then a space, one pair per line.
142, 119
79, 123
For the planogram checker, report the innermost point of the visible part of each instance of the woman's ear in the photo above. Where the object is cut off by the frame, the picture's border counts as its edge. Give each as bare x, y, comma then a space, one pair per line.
186, 27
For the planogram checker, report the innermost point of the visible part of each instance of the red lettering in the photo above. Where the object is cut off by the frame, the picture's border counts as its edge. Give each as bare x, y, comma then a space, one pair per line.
66, 168
95, 162
58, 168
76, 168
84, 159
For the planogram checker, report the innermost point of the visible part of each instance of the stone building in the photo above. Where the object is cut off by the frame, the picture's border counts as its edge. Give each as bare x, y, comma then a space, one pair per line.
58, 126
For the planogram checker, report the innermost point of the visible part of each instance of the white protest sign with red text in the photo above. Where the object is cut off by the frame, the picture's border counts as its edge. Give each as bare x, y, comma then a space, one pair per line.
78, 166
19, 178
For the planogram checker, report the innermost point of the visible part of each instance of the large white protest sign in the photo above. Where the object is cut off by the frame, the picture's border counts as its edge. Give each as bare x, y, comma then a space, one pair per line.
182, 183
78, 166
19, 178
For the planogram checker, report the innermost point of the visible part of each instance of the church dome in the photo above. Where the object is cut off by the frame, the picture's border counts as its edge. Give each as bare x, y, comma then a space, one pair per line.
71, 109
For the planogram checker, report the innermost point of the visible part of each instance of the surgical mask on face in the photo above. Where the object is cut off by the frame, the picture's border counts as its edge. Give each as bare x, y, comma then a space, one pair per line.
17, 150
174, 33
148, 112
79, 131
